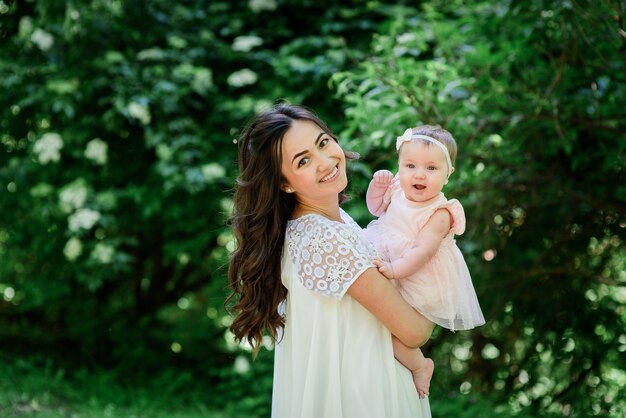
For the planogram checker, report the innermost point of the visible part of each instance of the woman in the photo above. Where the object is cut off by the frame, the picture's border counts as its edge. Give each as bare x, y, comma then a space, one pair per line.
302, 272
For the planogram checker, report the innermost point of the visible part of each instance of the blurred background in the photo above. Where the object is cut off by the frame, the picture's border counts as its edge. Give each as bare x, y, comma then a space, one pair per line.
118, 128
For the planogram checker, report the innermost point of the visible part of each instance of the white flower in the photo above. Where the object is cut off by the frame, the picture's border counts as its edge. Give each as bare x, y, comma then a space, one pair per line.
213, 171
73, 196
103, 253
177, 42
83, 218
73, 249
262, 105
183, 71
151, 54
48, 147
97, 151
242, 78
8, 293
25, 26
227, 205
495, 139
260, 5
140, 111
202, 80
183, 258
42, 39
246, 43
242, 365
406, 38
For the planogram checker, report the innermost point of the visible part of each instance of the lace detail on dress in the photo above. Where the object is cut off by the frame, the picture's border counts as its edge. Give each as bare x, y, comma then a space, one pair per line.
328, 256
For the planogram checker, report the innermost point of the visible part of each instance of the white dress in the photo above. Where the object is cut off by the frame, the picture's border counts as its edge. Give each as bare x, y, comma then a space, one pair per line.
335, 359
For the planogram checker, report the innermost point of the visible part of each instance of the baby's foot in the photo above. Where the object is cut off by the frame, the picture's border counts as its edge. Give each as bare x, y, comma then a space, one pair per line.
422, 376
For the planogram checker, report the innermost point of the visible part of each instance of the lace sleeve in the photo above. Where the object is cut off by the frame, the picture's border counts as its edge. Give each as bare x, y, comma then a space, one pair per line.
328, 256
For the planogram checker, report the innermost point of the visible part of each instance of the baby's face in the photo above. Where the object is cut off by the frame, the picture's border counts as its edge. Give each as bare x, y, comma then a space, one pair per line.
423, 171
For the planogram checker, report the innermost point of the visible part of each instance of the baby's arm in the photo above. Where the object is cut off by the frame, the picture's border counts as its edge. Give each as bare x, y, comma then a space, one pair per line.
429, 239
376, 191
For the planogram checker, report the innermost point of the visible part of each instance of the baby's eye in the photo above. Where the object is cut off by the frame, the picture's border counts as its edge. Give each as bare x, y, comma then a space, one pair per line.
303, 161
410, 165
432, 167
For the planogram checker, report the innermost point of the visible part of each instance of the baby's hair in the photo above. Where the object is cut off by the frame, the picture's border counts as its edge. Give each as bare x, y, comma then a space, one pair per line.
441, 135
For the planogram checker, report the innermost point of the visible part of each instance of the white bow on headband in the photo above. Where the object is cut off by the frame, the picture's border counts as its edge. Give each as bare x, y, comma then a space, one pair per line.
408, 135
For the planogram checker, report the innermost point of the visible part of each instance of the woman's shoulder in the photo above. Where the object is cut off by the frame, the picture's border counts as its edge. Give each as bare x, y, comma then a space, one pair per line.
327, 255
317, 229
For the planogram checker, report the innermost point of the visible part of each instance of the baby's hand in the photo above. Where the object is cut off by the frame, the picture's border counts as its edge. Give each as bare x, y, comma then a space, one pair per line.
382, 178
384, 267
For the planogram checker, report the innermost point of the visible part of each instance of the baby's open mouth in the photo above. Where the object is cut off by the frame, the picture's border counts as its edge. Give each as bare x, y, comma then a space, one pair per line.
419, 186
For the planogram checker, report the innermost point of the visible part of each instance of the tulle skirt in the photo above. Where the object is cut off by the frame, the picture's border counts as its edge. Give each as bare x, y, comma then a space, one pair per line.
442, 290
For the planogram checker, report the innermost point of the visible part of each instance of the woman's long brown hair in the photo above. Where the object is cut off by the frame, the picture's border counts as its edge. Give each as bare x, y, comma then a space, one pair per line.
259, 221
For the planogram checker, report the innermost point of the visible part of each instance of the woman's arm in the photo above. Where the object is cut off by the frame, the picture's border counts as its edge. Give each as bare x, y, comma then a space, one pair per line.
380, 297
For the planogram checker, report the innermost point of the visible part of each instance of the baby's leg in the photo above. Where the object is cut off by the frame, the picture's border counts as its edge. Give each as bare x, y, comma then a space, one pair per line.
421, 367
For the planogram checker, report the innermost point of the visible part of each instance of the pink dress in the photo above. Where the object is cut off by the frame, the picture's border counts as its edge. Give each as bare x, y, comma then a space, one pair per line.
442, 290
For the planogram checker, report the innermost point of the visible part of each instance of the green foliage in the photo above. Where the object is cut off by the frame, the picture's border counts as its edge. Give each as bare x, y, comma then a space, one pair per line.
534, 92
36, 388
117, 156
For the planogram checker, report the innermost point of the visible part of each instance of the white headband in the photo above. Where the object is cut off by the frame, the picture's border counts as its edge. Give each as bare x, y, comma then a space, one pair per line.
408, 135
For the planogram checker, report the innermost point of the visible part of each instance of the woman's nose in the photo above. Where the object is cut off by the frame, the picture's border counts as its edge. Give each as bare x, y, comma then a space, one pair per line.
326, 161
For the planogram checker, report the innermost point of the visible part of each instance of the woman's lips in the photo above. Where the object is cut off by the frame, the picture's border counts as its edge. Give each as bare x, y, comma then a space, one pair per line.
332, 175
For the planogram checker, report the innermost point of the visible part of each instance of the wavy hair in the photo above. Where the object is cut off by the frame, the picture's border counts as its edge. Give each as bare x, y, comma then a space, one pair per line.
260, 215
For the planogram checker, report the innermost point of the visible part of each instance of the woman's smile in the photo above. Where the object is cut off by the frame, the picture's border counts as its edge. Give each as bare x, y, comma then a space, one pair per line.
332, 176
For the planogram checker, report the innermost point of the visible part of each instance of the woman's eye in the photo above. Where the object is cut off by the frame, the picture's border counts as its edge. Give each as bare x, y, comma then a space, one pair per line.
323, 142
303, 161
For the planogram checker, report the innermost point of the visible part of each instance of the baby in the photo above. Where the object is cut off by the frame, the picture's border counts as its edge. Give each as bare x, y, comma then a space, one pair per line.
414, 234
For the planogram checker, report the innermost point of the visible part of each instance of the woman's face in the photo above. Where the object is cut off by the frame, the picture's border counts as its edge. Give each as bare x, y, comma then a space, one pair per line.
313, 164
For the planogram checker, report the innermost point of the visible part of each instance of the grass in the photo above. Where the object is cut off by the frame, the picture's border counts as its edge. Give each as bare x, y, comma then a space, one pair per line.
37, 388
28, 389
